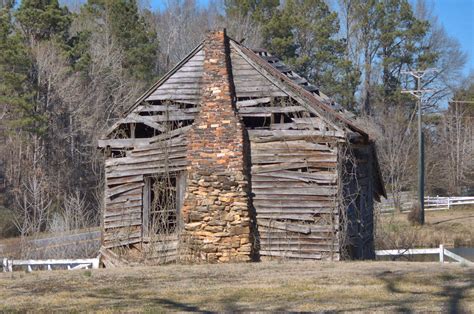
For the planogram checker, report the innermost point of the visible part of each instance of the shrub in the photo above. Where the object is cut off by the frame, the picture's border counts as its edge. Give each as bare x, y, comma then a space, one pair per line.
414, 214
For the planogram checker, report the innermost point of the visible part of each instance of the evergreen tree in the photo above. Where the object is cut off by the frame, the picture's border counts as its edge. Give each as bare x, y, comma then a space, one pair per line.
399, 34
43, 19
259, 10
16, 90
130, 30
367, 16
304, 34
38, 20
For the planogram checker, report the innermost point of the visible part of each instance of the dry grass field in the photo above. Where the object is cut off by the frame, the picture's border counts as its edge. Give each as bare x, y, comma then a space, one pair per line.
269, 286
453, 228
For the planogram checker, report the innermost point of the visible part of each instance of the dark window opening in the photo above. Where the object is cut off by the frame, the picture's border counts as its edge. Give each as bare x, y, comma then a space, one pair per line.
162, 214
282, 118
162, 200
256, 122
118, 153
144, 131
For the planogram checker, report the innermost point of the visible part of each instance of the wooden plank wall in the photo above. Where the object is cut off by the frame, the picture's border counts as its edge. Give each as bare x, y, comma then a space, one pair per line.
249, 82
165, 153
169, 111
185, 84
124, 179
294, 186
293, 169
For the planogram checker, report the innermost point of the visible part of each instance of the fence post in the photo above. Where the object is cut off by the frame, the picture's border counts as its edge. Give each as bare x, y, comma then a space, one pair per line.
4, 265
95, 263
448, 203
441, 253
9, 265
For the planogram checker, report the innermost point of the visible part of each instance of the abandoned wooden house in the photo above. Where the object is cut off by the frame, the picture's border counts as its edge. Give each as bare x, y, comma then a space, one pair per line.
232, 156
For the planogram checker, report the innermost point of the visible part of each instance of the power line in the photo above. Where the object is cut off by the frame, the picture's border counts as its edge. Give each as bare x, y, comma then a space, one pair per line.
418, 93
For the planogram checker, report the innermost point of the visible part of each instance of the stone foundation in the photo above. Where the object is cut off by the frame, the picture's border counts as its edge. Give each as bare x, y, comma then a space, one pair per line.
216, 209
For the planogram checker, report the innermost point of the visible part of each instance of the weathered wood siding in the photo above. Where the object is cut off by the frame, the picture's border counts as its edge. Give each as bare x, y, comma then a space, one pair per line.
184, 85
124, 186
294, 186
249, 82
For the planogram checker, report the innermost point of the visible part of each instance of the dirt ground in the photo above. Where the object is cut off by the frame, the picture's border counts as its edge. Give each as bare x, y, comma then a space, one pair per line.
453, 228
269, 286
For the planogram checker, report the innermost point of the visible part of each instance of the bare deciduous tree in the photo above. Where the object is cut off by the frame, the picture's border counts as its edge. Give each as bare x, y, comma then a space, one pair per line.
74, 214
396, 145
33, 200
457, 143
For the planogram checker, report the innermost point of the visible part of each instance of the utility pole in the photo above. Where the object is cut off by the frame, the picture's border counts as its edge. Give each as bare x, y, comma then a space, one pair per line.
418, 93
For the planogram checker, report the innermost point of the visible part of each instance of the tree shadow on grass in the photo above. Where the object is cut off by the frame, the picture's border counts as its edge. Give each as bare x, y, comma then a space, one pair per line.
452, 219
119, 300
456, 292
454, 289
174, 306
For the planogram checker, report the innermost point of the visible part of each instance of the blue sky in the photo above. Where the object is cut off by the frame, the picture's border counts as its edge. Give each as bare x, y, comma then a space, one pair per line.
457, 16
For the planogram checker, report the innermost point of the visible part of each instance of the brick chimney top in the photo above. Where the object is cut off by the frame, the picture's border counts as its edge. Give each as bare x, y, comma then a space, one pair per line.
217, 32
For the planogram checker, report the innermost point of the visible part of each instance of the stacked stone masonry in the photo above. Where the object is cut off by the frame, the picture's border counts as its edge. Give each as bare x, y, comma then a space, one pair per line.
216, 208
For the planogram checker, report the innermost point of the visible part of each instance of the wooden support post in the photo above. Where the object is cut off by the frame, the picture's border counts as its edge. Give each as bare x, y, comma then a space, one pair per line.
49, 266
4, 265
180, 193
146, 206
10, 265
29, 268
441, 253
132, 130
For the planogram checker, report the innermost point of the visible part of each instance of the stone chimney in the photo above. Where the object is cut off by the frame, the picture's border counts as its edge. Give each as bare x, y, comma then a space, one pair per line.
216, 210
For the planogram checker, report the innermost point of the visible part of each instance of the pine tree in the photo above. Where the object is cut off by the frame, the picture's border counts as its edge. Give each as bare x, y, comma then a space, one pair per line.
38, 20
137, 40
304, 34
367, 16
43, 19
399, 34
16, 90
259, 10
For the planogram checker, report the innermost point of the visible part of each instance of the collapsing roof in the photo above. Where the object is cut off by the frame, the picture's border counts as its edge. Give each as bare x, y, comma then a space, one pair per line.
284, 82
270, 67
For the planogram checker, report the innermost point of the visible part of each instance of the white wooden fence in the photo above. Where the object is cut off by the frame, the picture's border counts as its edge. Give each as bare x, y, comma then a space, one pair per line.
440, 202
441, 251
80, 242
49, 264
431, 202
